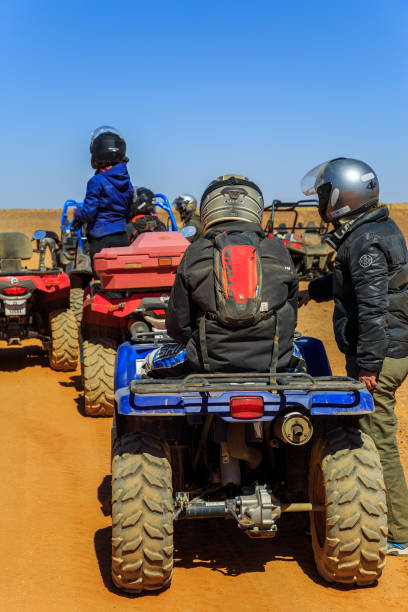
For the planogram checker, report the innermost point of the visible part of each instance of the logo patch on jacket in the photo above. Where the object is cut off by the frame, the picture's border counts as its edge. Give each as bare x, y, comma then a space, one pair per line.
365, 261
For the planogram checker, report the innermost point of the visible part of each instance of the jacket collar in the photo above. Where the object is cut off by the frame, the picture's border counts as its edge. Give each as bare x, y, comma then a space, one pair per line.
234, 226
336, 237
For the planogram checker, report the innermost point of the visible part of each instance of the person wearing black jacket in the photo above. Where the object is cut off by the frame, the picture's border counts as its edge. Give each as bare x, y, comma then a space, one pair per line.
186, 206
369, 286
233, 205
142, 215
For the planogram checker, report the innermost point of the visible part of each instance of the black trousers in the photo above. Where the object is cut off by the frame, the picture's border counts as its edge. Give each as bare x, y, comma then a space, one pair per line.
120, 239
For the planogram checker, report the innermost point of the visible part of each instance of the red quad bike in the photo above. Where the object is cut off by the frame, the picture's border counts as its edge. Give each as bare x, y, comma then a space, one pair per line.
35, 303
130, 303
311, 256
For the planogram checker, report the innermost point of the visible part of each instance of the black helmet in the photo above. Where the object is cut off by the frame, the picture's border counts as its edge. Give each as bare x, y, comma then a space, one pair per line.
231, 197
142, 201
185, 204
344, 187
107, 147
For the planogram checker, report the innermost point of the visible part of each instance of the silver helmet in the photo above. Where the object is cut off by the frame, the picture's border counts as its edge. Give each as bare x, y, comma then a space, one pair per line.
185, 204
231, 197
344, 187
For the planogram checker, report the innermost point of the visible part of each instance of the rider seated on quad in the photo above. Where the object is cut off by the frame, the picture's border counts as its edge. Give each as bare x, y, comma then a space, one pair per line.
109, 193
186, 206
233, 305
142, 215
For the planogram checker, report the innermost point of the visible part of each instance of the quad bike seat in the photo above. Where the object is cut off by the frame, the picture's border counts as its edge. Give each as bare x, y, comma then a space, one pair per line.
150, 262
14, 246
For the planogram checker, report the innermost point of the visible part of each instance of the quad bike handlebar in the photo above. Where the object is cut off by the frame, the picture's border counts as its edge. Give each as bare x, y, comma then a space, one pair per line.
163, 203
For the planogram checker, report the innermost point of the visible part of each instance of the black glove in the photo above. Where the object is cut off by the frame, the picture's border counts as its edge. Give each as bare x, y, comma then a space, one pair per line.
76, 224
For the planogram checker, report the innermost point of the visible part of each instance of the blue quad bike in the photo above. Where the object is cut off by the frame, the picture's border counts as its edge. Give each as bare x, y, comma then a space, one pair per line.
247, 447
74, 258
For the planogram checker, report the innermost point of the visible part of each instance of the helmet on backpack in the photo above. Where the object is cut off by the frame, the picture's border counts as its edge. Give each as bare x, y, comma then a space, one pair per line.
344, 187
143, 201
231, 198
107, 147
185, 204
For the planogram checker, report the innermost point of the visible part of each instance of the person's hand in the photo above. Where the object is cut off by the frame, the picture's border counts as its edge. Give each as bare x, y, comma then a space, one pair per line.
76, 224
303, 298
369, 379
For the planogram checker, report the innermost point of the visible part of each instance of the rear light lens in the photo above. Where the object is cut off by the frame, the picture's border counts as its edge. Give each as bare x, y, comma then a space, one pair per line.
165, 261
15, 290
246, 407
52, 282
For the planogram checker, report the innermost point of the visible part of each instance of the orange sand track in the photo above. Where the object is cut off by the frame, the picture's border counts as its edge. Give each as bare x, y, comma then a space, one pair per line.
55, 529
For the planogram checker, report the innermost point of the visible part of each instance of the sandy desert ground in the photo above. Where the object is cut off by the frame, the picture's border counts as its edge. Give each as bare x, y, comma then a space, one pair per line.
55, 487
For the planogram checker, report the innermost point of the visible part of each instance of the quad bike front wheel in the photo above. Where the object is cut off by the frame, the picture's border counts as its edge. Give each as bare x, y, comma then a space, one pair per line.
142, 514
349, 537
63, 350
76, 298
98, 369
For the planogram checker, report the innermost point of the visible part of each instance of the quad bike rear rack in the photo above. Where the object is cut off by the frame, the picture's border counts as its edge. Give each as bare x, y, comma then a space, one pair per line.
253, 381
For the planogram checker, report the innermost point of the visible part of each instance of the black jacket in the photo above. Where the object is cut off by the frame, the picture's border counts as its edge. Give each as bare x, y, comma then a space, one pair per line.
370, 289
233, 349
144, 223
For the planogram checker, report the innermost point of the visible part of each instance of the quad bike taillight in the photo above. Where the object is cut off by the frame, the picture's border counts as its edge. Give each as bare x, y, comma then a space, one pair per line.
52, 282
246, 407
15, 290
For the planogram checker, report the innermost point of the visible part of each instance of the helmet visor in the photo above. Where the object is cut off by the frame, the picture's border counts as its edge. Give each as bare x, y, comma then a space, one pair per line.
313, 179
105, 129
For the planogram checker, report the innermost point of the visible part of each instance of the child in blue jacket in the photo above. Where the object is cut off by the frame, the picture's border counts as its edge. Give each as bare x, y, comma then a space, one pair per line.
109, 193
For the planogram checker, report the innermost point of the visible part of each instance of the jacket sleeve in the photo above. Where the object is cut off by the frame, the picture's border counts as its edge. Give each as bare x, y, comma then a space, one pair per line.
180, 317
88, 211
129, 213
321, 289
369, 275
293, 292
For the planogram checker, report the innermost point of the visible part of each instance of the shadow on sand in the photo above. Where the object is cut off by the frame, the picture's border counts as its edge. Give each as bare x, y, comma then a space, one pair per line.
220, 546
17, 358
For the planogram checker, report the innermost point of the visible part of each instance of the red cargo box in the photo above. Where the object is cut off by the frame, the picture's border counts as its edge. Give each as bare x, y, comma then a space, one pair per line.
150, 262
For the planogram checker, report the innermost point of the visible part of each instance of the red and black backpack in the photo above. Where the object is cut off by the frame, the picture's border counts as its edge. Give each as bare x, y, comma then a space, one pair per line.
238, 288
238, 278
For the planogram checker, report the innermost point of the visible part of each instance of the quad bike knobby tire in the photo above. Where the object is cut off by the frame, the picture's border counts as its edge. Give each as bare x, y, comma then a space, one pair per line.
142, 514
349, 537
98, 367
63, 350
76, 298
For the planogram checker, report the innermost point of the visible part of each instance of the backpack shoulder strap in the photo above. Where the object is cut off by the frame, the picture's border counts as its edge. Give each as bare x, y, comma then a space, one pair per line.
203, 344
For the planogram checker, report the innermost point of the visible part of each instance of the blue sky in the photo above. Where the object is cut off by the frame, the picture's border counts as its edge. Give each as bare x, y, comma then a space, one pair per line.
264, 88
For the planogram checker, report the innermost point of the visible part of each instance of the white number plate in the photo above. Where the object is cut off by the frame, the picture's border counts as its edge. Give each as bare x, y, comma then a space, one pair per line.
15, 308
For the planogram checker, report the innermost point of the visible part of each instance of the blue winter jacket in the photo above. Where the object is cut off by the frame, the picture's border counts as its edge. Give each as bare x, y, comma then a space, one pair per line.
106, 207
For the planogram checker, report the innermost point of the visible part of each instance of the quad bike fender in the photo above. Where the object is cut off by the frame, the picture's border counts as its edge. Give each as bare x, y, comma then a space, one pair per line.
194, 405
119, 308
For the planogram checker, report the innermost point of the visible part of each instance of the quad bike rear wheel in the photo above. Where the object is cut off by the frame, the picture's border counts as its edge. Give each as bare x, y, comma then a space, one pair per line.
76, 298
98, 369
63, 350
142, 514
349, 537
